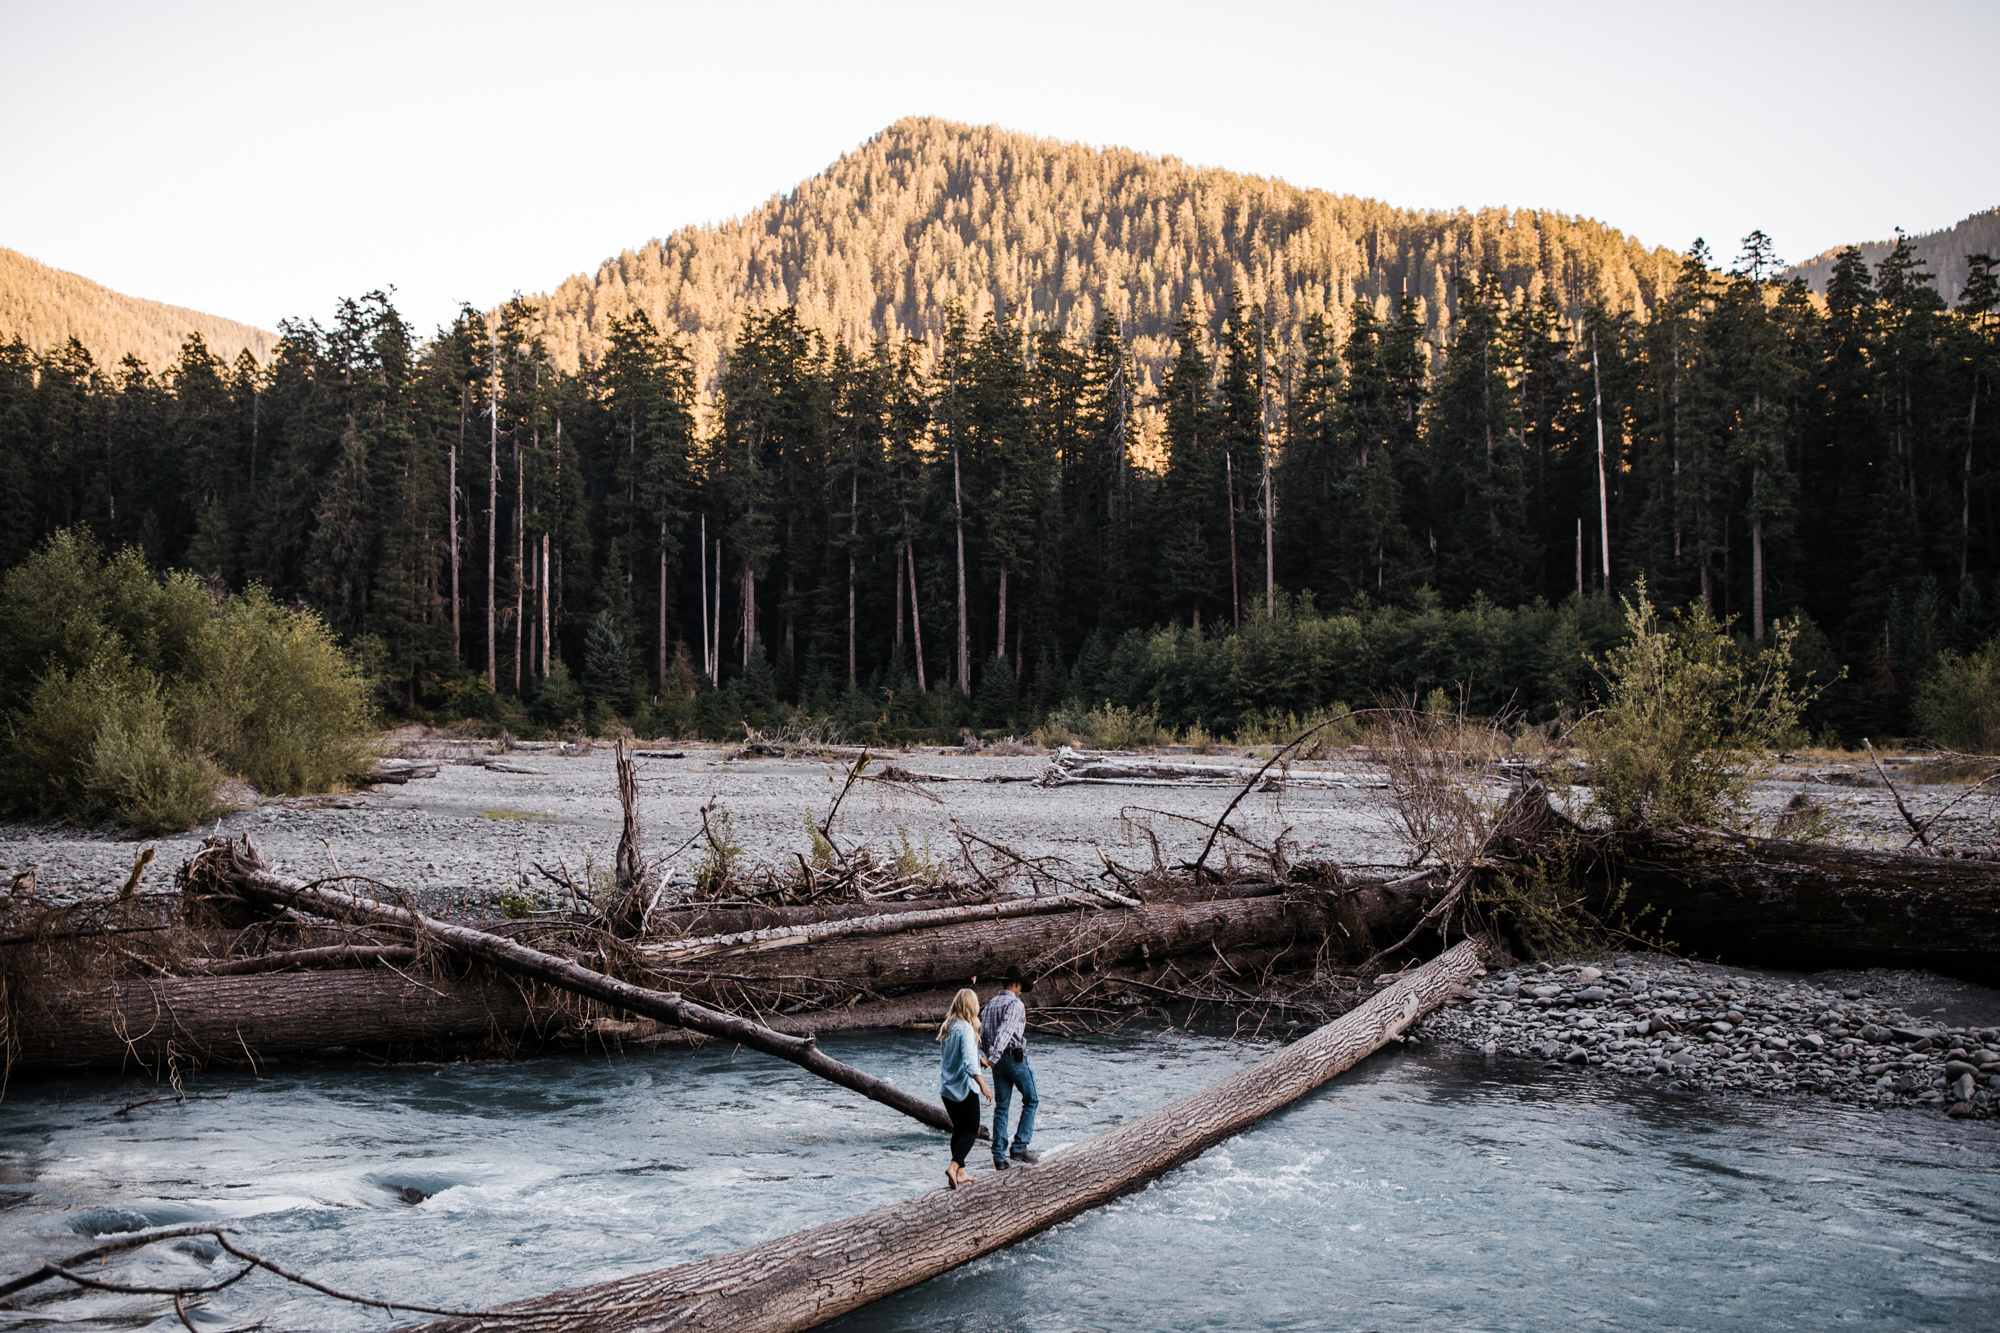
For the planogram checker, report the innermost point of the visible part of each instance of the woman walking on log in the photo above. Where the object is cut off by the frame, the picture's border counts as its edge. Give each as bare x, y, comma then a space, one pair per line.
958, 1077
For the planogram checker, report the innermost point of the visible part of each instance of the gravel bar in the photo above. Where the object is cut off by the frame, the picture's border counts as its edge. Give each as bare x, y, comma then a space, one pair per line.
1849, 1037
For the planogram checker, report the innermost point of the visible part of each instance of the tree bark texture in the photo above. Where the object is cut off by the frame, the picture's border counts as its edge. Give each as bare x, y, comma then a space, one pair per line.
1043, 944
807, 1278
194, 1021
1801, 905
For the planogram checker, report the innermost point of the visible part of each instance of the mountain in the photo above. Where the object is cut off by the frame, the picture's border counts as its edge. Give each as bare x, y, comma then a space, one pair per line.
1941, 252
45, 307
928, 211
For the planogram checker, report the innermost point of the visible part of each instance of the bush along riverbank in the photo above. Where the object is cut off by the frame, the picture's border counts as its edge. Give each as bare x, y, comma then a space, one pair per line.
1697, 1026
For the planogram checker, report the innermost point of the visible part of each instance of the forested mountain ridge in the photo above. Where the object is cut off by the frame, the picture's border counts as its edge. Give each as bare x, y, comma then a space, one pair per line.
46, 307
1946, 254
929, 212
1383, 452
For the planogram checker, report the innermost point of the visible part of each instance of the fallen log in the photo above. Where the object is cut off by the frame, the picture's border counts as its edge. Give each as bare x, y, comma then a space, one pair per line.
807, 1278
192, 1021
222, 868
1068, 766
1348, 918
1804, 905
891, 923
336, 954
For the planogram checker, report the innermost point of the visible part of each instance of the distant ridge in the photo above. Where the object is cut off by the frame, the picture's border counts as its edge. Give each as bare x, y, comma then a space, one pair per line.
45, 307
929, 210
1942, 252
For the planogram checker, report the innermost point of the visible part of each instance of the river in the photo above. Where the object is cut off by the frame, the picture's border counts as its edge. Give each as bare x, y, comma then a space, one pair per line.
1430, 1187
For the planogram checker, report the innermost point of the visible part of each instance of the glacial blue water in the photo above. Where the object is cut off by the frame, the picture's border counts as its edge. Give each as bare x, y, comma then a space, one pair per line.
1428, 1188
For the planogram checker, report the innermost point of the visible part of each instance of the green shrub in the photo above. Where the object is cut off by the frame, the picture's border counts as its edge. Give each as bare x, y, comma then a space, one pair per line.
1109, 727
273, 698
129, 694
146, 781
1688, 714
1958, 705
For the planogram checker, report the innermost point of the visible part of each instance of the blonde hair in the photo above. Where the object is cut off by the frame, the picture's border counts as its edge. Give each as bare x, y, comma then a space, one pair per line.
964, 1009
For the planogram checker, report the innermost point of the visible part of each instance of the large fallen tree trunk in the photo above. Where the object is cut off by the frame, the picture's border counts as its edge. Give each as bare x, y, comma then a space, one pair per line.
186, 1022
222, 867
1806, 906
1347, 918
804, 1279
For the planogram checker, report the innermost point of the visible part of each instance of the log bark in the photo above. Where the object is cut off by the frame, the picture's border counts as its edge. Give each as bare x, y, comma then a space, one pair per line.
807, 1278
889, 923
199, 1020
1806, 906
1042, 944
243, 872
336, 954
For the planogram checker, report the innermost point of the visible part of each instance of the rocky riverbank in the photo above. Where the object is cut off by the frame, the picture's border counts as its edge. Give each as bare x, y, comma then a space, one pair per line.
1846, 1037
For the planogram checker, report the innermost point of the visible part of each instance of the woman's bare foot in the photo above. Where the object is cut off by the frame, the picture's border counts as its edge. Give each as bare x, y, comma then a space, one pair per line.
956, 1175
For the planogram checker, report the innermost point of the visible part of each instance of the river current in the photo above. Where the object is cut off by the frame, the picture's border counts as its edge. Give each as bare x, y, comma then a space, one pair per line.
1428, 1188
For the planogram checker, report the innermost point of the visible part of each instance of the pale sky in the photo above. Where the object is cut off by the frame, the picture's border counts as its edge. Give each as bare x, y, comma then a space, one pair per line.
263, 160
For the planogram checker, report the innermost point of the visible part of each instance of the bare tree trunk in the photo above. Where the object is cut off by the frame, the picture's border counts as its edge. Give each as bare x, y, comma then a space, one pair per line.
964, 624
492, 526
1965, 511
805, 1279
916, 617
451, 477
853, 536
520, 554
1756, 556
1000, 638
702, 578
898, 598
547, 624
1235, 579
1603, 501
1264, 456
663, 605
749, 608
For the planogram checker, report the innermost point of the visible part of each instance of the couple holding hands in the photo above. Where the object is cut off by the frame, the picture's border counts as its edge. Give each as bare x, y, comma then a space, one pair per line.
994, 1038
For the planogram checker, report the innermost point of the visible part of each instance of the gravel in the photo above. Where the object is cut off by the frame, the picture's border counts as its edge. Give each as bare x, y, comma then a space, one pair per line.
462, 838
1879, 1038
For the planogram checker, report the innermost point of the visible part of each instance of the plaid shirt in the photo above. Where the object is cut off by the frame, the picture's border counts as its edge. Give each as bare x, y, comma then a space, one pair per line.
1003, 1026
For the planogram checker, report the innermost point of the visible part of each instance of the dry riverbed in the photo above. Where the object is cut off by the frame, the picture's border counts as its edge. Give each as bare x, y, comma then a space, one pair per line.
462, 838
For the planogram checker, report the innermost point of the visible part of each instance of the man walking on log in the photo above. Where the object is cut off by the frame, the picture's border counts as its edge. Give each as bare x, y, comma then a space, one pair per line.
1003, 1048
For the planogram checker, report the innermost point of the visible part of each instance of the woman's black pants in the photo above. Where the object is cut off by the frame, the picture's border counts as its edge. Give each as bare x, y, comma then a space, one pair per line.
964, 1115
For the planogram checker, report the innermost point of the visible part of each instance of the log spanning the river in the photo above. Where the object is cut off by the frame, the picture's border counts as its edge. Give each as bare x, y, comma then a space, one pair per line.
222, 867
804, 1279
1807, 906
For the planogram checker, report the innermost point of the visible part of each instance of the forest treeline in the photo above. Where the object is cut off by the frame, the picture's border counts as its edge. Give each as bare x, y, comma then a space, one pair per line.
920, 539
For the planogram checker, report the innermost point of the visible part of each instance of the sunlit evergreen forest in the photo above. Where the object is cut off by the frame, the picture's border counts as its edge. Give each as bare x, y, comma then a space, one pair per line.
46, 307
912, 537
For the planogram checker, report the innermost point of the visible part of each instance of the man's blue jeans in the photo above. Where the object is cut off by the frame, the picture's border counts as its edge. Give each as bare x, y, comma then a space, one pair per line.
1011, 1072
